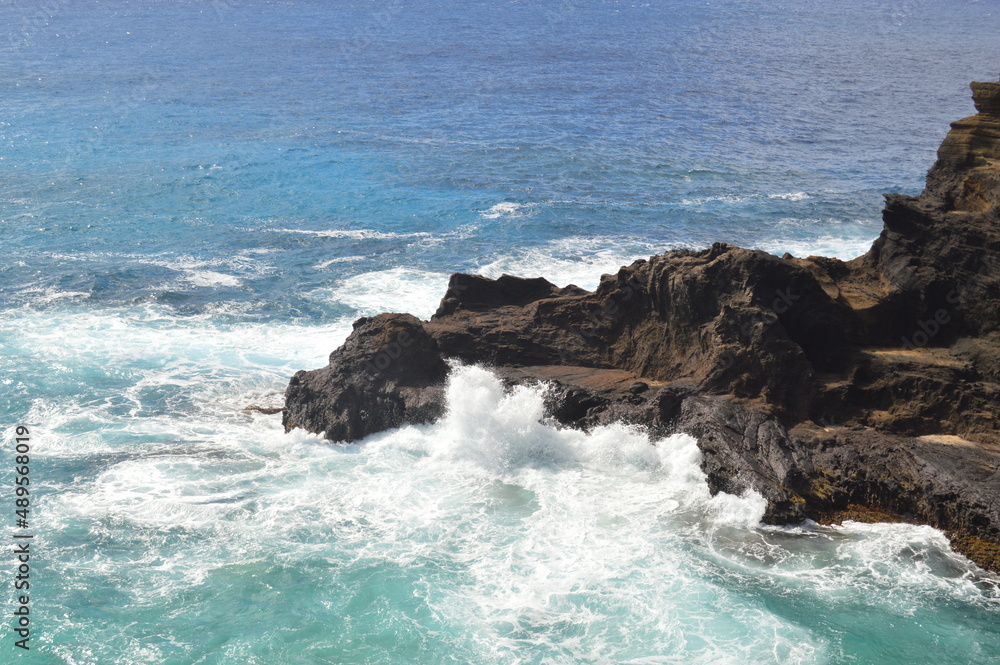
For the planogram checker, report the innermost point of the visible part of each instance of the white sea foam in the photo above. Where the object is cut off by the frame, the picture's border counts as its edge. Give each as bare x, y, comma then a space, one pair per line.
600, 547
354, 234
579, 260
743, 198
840, 247
242, 263
157, 367
51, 294
504, 209
395, 290
791, 196
229, 271
323, 265
718, 198
211, 278
525, 539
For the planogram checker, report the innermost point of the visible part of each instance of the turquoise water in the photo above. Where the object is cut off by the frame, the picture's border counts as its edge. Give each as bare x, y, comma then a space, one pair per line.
198, 198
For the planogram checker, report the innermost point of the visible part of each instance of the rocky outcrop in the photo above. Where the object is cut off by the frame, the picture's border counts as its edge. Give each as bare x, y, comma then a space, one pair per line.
861, 388
389, 372
966, 177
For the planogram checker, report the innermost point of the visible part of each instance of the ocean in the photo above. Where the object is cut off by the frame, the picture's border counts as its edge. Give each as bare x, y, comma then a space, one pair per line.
198, 197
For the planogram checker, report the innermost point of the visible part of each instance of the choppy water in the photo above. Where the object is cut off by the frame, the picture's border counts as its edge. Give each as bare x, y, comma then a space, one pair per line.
197, 198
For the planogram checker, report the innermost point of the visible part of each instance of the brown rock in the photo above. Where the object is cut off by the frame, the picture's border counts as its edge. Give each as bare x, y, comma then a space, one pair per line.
388, 372
832, 388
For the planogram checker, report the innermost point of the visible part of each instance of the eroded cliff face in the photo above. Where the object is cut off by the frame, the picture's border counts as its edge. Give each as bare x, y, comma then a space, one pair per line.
941, 250
966, 177
868, 387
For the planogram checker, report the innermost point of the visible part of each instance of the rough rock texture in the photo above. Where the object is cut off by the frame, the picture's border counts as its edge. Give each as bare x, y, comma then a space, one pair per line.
389, 372
835, 389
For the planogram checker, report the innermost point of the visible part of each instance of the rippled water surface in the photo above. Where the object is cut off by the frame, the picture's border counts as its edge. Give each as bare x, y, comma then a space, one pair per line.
199, 197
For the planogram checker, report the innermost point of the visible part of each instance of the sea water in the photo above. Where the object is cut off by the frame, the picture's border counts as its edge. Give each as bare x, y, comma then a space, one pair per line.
197, 198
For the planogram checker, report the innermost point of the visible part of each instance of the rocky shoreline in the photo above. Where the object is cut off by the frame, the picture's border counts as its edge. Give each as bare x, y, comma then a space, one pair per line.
866, 389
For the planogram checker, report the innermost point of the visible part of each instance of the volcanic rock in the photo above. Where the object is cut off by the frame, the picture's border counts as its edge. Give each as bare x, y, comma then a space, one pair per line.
860, 389
388, 372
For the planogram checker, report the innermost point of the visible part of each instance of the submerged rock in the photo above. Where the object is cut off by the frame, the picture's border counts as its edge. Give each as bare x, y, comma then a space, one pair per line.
833, 388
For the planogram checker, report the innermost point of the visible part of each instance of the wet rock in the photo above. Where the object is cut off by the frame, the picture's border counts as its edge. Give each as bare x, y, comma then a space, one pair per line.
832, 388
388, 372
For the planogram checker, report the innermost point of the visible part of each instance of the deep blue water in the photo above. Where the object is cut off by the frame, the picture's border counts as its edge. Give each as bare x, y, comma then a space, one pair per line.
198, 197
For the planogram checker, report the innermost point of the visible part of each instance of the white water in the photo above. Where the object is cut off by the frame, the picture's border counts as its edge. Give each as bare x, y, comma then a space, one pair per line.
490, 533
